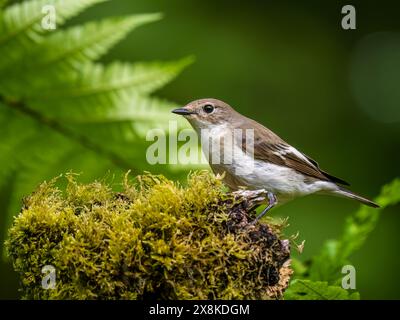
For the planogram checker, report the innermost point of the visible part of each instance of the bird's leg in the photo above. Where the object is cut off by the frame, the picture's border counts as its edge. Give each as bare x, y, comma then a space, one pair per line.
272, 202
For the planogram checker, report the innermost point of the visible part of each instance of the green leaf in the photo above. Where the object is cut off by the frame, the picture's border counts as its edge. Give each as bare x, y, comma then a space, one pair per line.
359, 226
335, 253
65, 51
85, 43
99, 90
140, 113
116, 78
20, 24
317, 290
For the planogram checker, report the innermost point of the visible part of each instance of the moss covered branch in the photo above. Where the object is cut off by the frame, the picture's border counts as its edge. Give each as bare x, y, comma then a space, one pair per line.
154, 240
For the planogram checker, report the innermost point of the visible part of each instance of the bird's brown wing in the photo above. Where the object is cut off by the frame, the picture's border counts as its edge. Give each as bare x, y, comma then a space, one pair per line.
270, 148
282, 155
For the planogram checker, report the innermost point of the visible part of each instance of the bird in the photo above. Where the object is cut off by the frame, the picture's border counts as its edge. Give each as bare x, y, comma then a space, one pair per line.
264, 161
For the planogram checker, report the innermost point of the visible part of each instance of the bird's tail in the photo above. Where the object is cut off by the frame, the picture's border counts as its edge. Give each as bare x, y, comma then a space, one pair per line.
350, 194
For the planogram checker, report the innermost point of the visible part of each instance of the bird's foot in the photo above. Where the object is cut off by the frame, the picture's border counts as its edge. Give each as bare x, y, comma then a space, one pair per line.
272, 202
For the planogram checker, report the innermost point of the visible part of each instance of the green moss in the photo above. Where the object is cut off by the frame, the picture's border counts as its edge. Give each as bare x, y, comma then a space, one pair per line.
154, 240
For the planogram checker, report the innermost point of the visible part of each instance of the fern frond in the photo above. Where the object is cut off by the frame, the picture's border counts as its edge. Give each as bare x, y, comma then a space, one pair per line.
20, 24
65, 51
103, 87
88, 42
132, 121
140, 109
97, 79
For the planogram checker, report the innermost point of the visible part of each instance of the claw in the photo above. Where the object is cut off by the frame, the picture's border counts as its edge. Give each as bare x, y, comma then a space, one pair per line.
272, 202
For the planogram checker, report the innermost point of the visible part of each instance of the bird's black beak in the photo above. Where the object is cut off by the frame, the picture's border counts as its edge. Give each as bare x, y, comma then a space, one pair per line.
182, 111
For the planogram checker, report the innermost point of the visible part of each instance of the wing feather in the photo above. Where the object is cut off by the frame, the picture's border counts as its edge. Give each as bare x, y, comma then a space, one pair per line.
271, 148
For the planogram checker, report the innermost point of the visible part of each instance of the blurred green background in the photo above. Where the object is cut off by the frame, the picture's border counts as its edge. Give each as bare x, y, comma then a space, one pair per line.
330, 92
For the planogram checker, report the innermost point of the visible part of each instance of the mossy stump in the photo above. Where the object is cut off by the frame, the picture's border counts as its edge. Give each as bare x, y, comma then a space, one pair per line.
154, 240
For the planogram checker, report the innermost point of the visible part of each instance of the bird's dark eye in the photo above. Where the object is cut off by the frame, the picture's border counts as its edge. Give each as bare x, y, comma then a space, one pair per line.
208, 108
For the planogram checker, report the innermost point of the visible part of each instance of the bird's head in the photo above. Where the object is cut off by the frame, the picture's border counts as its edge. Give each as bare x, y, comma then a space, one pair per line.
206, 113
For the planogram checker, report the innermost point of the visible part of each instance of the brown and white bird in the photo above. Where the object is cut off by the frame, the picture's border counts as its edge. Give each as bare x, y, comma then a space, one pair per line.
283, 171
